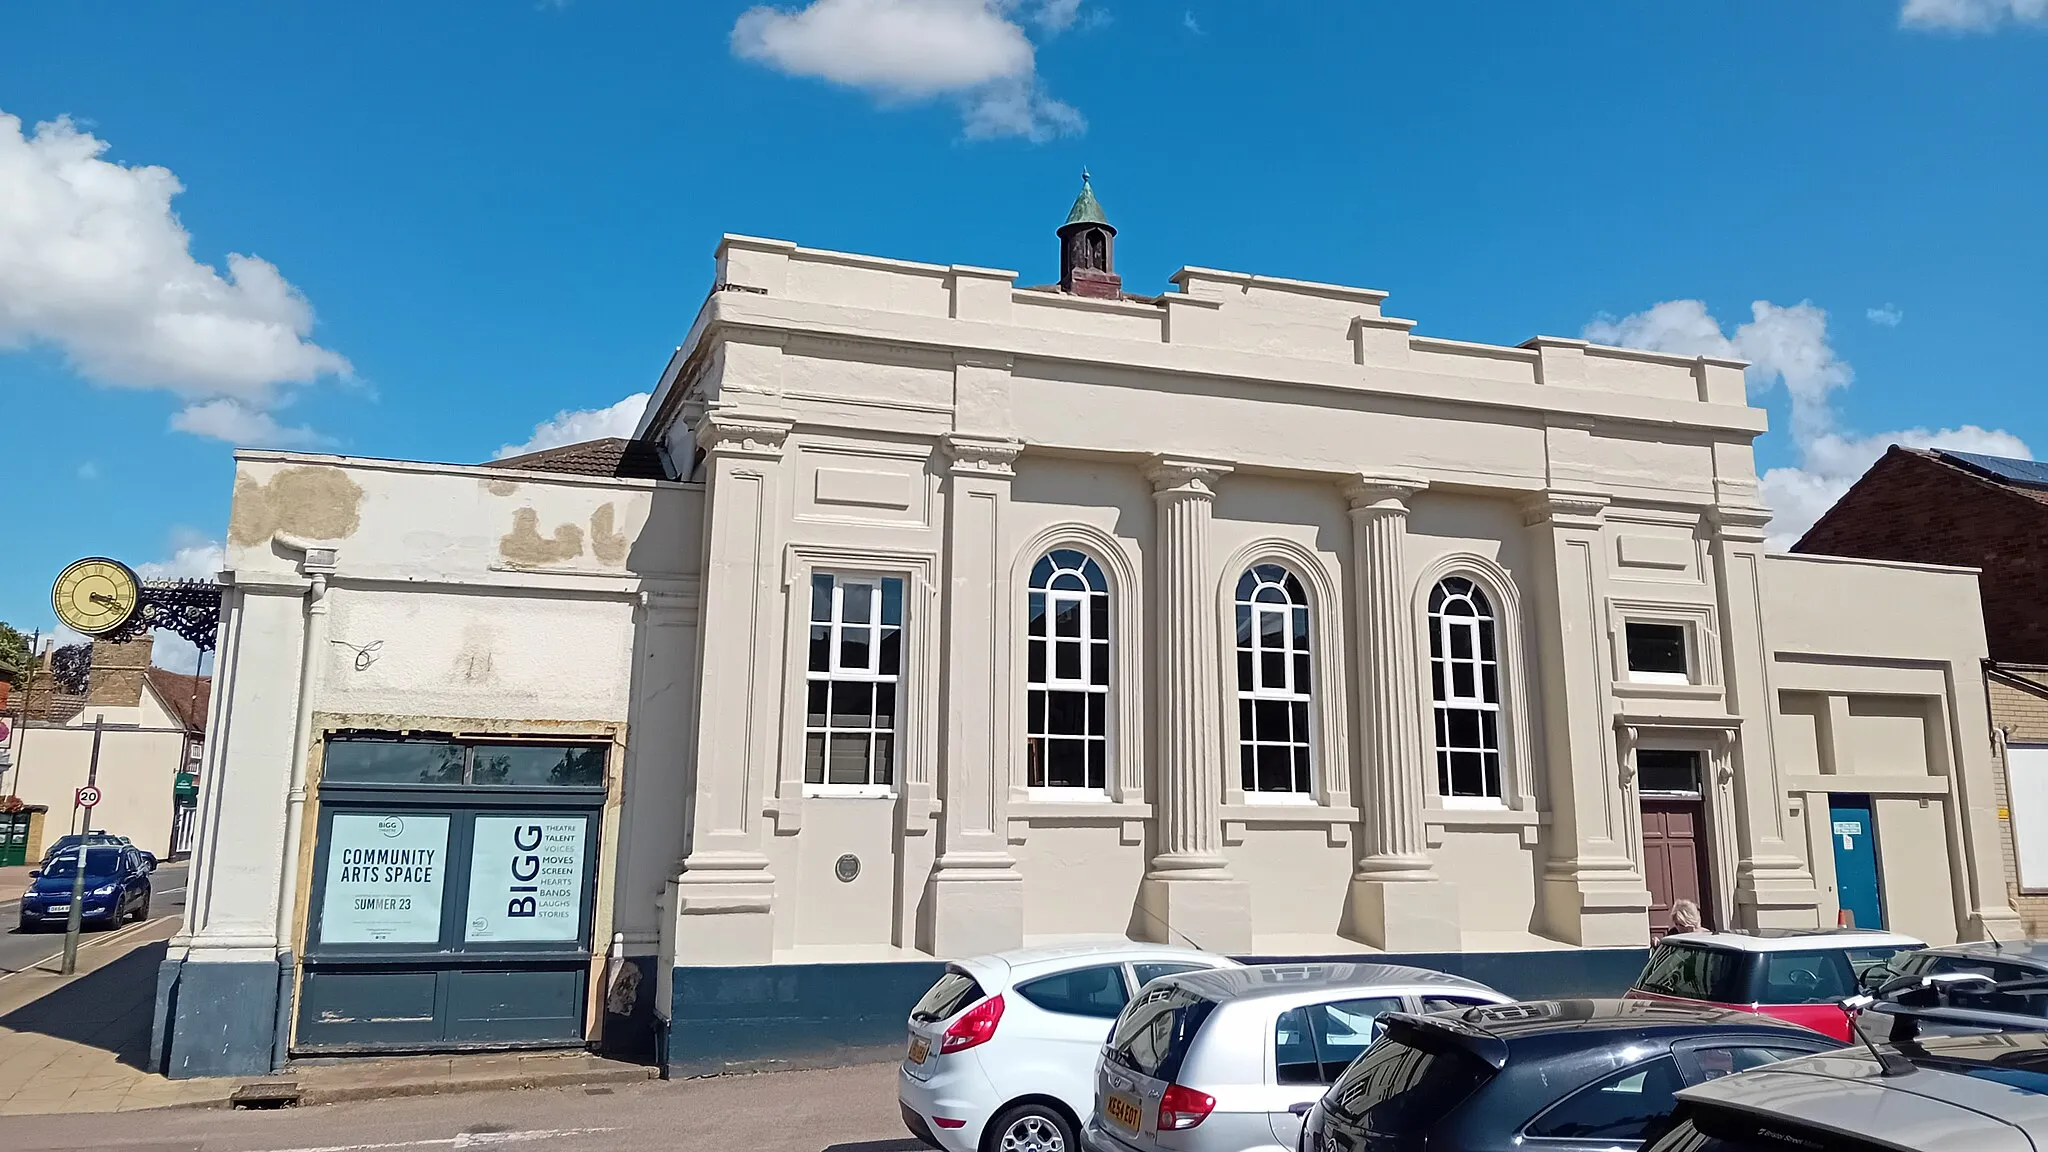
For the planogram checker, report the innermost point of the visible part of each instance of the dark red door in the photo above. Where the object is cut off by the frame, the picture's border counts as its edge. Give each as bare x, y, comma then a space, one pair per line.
1675, 859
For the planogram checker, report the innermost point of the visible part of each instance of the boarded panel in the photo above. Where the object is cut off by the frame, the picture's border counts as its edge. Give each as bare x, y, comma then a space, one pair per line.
515, 1007
2026, 770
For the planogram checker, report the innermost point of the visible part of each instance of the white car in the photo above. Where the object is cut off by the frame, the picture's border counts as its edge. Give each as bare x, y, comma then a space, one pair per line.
1005, 1045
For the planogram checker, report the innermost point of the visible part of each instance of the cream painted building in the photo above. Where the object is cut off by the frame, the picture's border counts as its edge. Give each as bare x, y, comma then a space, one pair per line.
929, 615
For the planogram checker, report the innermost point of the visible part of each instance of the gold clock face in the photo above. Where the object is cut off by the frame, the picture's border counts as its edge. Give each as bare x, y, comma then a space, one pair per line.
96, 595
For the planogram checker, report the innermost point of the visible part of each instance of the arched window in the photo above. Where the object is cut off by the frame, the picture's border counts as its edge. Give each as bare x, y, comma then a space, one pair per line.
1067, 673
1464, 676
1274, 688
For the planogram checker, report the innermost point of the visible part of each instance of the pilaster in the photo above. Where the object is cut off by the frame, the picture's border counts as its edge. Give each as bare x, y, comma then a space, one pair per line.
723, 901
1189, 894
1398, 902
1592, 893
975, 894
1774, 886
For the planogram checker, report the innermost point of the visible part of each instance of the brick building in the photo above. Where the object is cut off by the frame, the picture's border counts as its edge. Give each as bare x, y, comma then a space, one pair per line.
1988, 513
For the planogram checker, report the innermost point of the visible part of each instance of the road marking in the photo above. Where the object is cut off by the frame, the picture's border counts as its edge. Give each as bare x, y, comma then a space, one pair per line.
463, 1140
115, 936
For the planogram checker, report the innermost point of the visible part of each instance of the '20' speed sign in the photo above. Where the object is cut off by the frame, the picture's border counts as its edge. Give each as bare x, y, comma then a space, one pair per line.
88, 796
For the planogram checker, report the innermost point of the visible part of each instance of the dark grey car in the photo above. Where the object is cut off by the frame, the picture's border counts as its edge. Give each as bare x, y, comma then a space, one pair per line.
1559, 1075
1983, 986
1986, 1093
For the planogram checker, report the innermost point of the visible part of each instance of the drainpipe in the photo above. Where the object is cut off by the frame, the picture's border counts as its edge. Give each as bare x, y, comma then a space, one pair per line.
317, 564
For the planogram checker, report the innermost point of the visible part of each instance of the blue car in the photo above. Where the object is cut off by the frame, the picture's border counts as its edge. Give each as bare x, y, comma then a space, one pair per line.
116, 887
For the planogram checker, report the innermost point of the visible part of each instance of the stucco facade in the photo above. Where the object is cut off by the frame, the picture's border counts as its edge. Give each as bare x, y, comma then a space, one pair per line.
1240, 616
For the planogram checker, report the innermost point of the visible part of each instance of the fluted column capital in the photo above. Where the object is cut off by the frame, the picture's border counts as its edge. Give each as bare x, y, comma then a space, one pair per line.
1374, 492
1185, 476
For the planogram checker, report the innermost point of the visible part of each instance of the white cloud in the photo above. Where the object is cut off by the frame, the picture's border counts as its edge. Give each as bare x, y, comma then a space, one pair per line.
1789, 346
904, 51
587, 424
88, 471
1057, 15
1888, 316
243, 426
1188, 21
1971, 15
94, 263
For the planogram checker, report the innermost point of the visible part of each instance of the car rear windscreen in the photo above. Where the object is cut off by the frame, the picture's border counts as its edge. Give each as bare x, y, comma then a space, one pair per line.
1694, 973
954, 991
1404, 1086
1154, 1034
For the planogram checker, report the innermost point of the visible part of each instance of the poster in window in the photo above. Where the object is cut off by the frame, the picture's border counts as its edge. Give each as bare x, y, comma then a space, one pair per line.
384, 879
526, 880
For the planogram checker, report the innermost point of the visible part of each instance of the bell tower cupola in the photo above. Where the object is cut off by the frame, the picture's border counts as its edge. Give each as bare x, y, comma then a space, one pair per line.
1088, 249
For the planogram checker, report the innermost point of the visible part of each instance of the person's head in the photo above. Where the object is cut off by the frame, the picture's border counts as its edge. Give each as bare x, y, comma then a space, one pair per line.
1685, 916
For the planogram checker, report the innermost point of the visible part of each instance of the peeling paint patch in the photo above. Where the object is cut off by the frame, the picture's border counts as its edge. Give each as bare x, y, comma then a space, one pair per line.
312, 501
525, 547
501, 487
607, 545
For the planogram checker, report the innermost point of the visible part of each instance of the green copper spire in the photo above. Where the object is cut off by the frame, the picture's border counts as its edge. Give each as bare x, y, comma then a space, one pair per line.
1087, 209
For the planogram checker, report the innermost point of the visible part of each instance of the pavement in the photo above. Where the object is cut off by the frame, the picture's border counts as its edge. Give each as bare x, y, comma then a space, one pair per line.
841, 1110
74, 1059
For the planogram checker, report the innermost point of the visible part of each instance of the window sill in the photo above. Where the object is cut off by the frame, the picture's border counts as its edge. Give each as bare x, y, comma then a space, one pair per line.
1303, 811
1058, 803
1654, 690
1493, 814
847, 792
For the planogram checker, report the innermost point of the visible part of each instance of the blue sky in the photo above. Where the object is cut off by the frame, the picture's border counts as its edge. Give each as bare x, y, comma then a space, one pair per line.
468, 217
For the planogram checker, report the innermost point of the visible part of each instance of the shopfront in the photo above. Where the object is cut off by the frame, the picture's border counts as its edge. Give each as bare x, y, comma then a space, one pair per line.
453, 895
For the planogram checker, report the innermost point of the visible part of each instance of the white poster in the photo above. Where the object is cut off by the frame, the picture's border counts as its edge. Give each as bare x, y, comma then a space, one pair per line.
384, 878
526, 879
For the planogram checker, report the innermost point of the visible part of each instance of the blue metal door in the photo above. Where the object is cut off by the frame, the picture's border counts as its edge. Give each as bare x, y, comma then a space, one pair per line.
1855, 838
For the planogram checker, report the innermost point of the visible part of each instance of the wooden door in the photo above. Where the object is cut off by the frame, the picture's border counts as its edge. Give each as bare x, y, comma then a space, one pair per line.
1675, 858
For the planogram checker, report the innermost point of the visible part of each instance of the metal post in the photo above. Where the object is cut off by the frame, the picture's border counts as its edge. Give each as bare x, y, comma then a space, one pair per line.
73, 922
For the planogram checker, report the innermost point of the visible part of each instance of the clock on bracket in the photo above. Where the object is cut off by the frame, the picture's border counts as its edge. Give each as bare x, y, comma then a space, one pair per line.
96, 596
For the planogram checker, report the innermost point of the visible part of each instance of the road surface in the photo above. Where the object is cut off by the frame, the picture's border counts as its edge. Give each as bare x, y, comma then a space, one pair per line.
843, 1110
19, 950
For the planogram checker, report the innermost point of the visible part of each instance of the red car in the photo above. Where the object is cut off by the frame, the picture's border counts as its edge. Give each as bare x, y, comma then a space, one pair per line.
1797, 976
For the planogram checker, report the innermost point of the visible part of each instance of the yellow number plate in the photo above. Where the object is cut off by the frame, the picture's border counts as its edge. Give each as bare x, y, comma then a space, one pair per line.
1124, 1111
919, 1049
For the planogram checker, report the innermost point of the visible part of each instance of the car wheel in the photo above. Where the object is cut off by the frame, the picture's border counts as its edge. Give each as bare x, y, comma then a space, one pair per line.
1032, 1128
27, 925
142, 910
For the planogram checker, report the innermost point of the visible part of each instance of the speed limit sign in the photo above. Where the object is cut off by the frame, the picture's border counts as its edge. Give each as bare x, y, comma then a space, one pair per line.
88, 796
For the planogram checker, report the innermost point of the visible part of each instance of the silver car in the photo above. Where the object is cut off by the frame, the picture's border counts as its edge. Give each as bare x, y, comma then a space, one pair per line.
1230, 1060
1984, 1093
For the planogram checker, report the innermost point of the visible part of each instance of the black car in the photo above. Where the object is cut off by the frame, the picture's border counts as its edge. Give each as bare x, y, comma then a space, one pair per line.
1561, 1075
116, 887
